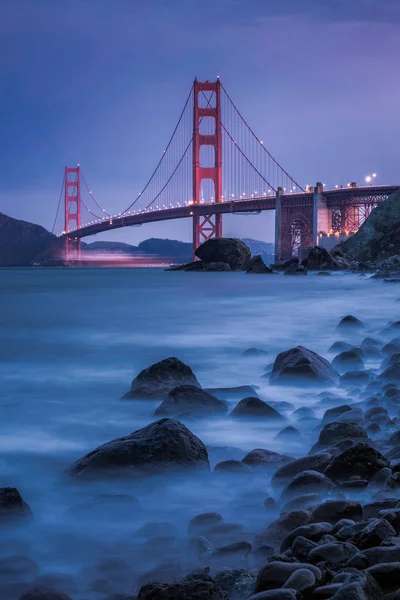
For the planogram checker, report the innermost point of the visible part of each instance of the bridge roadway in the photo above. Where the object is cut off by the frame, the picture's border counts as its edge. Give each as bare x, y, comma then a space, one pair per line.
337, 197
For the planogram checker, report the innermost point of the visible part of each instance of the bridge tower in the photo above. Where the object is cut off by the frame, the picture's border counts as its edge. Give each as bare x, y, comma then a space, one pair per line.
72, 207
206, 227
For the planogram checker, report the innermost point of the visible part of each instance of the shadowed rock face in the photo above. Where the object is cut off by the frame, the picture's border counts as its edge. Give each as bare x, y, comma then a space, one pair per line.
161, 447
319, 258
301, 364
378, 237
199, 586
360, 460
12, 506
227, 250
255, 407
155, 382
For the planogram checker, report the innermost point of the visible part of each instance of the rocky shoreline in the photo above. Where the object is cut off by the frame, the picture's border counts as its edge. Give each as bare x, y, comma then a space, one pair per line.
331, 516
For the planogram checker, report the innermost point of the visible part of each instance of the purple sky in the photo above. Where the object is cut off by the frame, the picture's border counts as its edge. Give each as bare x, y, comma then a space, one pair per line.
102, 82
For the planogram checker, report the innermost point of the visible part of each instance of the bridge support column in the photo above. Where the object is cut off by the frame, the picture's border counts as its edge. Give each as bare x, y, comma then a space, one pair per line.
278, 226
72, 213
320, 214
206, 227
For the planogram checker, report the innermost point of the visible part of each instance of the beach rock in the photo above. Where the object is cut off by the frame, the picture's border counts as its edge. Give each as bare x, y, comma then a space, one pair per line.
255, 407
318, 259
155, 382
331, 415
296, 270
335, 555
275, 574
359, 586
340, 346
354, 379
374, 534
386, 575
352, 416
312, 531
302, 364
290, 434
302, 547
309, 482
360, 460
44, 593
302, 580
161, 447
193, 401
237, 583
336, 432
193, 587
349, 322
203, 521
228, 250
254, 352
12, 506
276, 595
346, 361
233, 393
316, 462
257, 265
303, 501
279, 529
232, 466
217, 267
333, 511
263, 458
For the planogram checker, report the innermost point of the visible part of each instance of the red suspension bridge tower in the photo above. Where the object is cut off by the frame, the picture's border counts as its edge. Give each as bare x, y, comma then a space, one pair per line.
72, 207
206, 227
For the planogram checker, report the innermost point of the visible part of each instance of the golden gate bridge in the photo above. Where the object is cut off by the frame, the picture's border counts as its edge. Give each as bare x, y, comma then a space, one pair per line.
214, 164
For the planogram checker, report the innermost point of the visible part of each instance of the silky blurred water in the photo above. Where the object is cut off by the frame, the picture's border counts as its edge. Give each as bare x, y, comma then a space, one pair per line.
71, 340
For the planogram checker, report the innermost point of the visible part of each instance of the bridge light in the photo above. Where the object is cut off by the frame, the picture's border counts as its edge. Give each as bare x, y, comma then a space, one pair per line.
374, 175
368, 179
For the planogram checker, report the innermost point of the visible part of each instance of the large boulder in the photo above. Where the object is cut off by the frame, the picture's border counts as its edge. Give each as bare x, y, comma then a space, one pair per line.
265, 459
378, 237
316, 462
309, 482
303, 365
275, 574
227, 250
360, 460
155, 382
359, 586
276, 531
335, 432
12, 506
191, 400
320, 259
257, 265
161, 447
256, 408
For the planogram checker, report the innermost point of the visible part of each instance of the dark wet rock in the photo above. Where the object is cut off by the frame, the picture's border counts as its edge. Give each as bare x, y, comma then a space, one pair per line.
392, 515
375, 410
302, 547
317, 462
354, 378
161, 447
275, 574
255, 407
326, 591
296, 270
334, 510
228, 533
270, 503
335, 555
331, 415
237, 583
254, 352
233, 555
197, 586
382, 554
232, 466
279, 529
200, 548
257, 265
347, 361
349, 322
303, 581
340, 347
266, 459
393, 483
312, 531
361, 460
204, 521
12, 506
309, 482
290, 433
372, 509
156, 381
359, 586
302, 501
217, 267
318, 259
386, 575
233, 393
391, 374
394, 439
228, 250
374, 534
302, 364
44, 593
305, 412
324, 273
191, 400
391, 348
335, 432
380, 478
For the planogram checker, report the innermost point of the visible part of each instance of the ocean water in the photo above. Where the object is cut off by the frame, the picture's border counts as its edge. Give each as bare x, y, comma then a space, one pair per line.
71, 340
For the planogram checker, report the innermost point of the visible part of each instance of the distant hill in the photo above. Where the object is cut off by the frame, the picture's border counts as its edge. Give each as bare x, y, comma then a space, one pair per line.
24, 244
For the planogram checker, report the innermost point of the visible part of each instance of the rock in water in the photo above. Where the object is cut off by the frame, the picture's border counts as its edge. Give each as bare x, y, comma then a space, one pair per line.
12, 506
255, 407
196, 586
257, 265
227, 250
360, 460
43, 593
191, 400
164, 446
155, 382
319, 258
302, 364
296, 270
